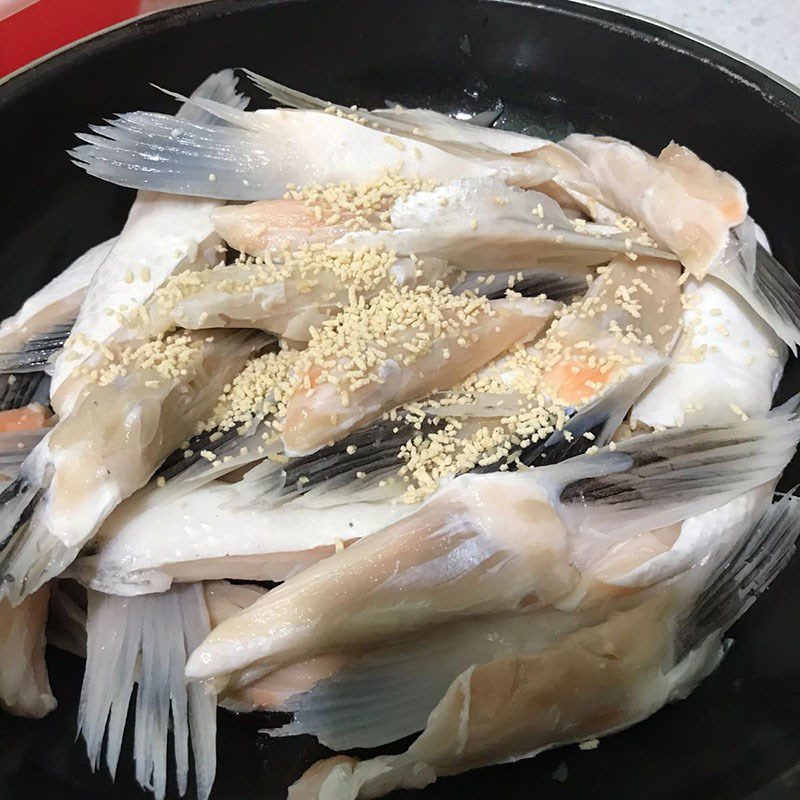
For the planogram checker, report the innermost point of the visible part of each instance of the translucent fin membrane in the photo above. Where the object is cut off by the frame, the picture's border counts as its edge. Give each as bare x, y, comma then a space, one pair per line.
219, 87
145, 640
388, 693
745, 575
155, 151
21, 388
752, 271
657, 479
142, 149
38, 351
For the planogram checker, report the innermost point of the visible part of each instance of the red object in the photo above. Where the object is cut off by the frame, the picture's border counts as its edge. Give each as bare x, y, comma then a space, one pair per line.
46, 25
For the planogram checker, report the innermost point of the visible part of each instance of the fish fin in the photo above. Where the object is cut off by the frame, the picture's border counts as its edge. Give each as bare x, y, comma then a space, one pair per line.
38, 351
595, 423
145, 150
19, 389
754, 273
29, 554
291, 98
347, 471
193, 152
385, 695
145, 640
530, 283
202, 700
219, 87
658, 479
745, 575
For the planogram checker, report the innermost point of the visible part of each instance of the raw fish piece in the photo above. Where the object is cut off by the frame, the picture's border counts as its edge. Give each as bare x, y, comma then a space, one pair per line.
555, 398
483, 223
726, 357
683, 202
108, 447
148, 543
696, 212
24, 687
264, 151
162, 235
388, 693
444, 342
599, 679
286, 298
492, 543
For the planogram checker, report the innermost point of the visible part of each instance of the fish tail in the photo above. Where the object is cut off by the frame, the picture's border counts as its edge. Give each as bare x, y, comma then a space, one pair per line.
744, 576
194, 152
38, 351
145, 640
660, 478
347, 471
29, 554
754, 273
158, 152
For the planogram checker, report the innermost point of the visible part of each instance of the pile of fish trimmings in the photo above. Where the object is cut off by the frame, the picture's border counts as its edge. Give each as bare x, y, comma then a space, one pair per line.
396, 423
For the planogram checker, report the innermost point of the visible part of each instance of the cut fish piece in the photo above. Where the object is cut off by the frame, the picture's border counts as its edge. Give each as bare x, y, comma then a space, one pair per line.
727, 358
482, 223
399, 347
385, 694
492, 543
261, 153
598, 680
684, 203
697, 212
288, 296
148, 543
108, 447
24, 686
162, 235
540, 403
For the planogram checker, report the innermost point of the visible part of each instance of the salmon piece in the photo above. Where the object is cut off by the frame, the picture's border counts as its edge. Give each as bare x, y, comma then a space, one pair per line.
28, 418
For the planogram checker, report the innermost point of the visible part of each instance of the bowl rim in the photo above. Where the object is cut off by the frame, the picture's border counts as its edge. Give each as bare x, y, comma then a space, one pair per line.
622, 20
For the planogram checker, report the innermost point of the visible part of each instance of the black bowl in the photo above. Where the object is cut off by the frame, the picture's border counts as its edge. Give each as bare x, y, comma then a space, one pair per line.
556, 67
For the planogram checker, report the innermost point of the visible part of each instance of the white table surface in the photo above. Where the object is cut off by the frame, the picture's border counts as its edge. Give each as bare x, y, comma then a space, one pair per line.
764, 31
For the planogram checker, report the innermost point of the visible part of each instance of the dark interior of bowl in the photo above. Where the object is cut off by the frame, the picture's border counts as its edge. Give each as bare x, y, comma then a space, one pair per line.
556, 67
